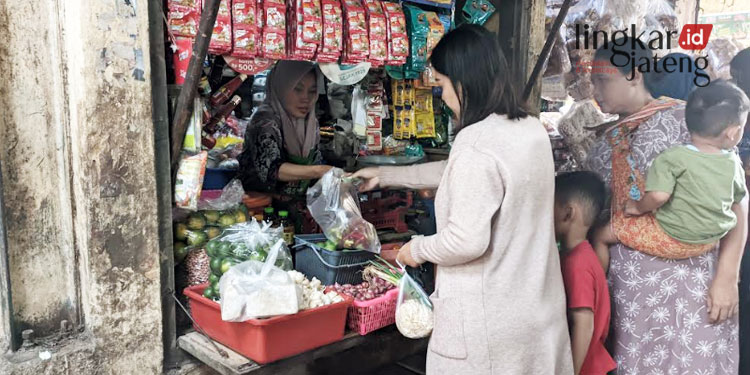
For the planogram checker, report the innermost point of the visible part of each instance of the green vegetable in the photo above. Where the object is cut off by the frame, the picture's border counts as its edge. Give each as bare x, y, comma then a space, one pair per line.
213, 279
216, 266
240, 217
180, 251
212, 248
180, 232
227, 220
330, 245
258, 255
212, 216
226, 249
196, 238
196, 222
226, 264
213, 232
208, 292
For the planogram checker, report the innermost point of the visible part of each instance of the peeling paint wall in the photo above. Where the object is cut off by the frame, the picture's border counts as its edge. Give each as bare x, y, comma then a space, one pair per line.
78, 168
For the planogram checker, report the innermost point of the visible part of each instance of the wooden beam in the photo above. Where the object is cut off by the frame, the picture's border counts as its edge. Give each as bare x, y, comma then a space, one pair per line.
183, 109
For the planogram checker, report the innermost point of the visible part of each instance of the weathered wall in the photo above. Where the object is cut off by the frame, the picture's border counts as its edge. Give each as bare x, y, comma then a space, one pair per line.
78, 168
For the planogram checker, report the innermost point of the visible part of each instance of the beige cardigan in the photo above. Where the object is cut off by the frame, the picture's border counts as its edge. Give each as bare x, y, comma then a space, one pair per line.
499, 300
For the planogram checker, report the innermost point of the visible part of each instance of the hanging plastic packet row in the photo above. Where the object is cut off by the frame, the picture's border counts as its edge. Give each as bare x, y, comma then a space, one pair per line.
334, 204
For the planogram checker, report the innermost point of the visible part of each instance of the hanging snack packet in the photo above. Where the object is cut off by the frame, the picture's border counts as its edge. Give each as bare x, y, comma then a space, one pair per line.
245, 29
356, 41
333, 33
398, 40
437, 30
183, 20
299, 47
418, 29
274, 29
477, 12
221, 38
189, 182
378, 32
414, 316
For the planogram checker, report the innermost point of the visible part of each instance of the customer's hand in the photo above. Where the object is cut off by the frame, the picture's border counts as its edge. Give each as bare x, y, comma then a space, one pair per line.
371, 178
723, 300
404, 256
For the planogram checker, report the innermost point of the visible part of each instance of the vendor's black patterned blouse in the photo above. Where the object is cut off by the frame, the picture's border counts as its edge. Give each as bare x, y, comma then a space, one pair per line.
263, 155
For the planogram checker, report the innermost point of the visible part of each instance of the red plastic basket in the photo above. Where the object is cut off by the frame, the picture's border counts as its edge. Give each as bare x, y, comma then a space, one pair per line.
367, 316
268, 340
387, 209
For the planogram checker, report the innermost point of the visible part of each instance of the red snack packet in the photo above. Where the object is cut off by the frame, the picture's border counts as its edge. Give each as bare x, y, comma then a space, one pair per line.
356, 42
245, 30
312, 27
377, 32
183, 21
332, 36
221, 38
243, 13
274, 29
398, 40
274, 45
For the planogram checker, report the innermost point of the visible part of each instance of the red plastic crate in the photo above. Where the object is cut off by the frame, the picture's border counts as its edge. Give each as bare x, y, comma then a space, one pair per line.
269, 340
389, 251
367, 316
387, 209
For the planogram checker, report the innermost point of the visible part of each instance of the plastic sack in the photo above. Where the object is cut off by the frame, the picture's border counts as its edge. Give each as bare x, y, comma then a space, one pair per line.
414, 317
231, 196
252, 240
254, 289
333, 203
575, 124
189, 182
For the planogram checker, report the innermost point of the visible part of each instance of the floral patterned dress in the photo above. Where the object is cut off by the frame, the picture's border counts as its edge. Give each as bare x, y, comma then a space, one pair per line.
659, 320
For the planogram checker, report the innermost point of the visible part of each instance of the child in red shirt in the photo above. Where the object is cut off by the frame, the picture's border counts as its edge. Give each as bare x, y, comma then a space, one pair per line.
579, 199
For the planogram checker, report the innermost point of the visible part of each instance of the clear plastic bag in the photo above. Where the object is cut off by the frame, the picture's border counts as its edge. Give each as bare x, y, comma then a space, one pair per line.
660, 16
251, 241
414, 317
574, 127
334, 204
253, 289
189, 181
230, 197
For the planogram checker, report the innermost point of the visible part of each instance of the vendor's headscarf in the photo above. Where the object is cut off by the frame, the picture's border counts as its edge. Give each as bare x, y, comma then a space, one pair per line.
300, 135
677, 84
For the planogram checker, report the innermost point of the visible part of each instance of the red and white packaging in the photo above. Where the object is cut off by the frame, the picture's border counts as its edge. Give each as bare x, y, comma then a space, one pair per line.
374, 140
312, 27
245, 30
183, 20
398, 40
356, 41
333, 33
221, 38
299, 48
378, 33
274, 29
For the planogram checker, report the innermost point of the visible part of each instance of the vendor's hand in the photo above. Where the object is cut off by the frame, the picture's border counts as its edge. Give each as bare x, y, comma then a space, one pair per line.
370, 177
322, 169
631, 209
404, 256
723, 300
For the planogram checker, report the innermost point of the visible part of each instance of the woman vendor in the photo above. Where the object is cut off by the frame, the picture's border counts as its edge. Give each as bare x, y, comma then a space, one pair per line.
281, 153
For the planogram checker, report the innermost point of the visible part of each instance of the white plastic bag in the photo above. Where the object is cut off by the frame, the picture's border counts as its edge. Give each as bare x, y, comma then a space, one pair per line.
334, 204
255, 240
230, 197
252, 290
414, 317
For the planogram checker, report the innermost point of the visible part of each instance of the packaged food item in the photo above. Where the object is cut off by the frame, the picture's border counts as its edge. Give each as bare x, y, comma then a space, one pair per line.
332, 36
221, 38
182, 58
374, 122
374, 140
356, 41
477, 12
436, 31
575, 124
225, 92
183, 20
414, 316
245, 30
558, 62
312, 29
378, 32
274, 29
184, 3
189, 181
418, 29
334, 204
192, 141
398, 40
300, 15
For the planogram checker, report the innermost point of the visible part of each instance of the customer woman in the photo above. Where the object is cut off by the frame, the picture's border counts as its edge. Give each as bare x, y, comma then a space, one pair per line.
281, 153
499, 301
669, 316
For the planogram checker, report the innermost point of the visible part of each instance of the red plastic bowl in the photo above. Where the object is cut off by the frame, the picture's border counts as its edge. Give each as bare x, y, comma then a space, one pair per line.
269, 340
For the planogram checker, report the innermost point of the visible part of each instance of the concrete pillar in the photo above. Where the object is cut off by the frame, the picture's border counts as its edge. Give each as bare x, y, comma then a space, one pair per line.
80, 186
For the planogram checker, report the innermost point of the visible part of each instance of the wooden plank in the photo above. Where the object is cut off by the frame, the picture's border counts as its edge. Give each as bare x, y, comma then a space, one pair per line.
353, 354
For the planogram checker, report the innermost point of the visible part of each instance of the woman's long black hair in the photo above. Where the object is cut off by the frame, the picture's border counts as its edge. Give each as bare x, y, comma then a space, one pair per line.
473, 60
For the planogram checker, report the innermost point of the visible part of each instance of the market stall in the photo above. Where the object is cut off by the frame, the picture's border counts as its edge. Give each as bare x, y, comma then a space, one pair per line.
268, 280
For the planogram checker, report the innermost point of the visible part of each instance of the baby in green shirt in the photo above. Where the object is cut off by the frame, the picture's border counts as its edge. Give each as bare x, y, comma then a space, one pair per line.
694, 190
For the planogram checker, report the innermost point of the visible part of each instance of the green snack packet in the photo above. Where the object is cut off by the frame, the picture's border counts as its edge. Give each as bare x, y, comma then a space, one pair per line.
477, 11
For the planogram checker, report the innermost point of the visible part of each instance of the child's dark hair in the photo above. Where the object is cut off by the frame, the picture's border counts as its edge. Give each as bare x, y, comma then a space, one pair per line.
586, 188
713, 108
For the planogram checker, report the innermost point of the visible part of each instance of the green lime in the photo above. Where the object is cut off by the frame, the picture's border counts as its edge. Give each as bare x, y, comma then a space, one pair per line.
213, 232
216, 266
180, 251
213, 279
258, 255
226, 264
212, 248
208, 292
180, 232
225, 249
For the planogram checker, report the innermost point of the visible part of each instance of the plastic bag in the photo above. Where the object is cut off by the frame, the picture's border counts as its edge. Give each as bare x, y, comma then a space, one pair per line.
252, 240
660, 16
414, 317
334, 204
231, 196
189, 182
254, 289
574, 127
720, 52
